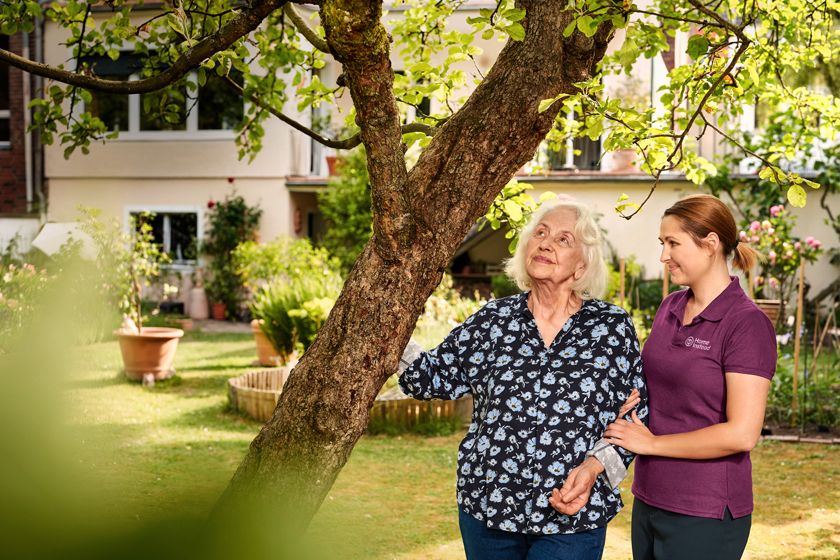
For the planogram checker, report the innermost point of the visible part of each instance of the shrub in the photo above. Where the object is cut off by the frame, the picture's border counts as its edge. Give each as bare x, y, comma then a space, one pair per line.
260, 264
292, 310
230, 222
345, 205
502, 286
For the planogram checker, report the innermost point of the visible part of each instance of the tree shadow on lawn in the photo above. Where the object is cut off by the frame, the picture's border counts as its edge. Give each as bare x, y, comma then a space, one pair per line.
118, 378
216, 417
193, 386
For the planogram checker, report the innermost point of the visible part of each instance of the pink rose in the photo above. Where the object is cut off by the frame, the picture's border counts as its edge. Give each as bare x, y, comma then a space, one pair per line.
755, 225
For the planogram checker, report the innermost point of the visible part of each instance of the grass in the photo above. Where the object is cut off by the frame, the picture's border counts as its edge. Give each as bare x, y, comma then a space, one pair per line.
169, 450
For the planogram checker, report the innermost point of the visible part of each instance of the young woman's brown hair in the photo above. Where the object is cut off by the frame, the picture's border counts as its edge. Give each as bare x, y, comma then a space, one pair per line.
702, 214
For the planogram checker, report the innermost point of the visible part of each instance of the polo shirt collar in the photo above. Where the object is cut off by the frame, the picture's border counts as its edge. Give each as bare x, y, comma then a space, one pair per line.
716, 310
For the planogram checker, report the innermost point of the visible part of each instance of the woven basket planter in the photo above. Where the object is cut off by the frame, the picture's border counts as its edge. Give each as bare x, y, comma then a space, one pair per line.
256, 393
394, 407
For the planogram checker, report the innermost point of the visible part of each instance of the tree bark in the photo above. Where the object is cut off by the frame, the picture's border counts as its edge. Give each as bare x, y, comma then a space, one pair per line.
421, 218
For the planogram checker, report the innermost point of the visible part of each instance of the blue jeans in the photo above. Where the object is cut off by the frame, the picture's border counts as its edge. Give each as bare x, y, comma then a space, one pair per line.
482, 543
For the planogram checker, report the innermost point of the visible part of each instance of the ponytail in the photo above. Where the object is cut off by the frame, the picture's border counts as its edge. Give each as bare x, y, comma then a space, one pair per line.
744, 257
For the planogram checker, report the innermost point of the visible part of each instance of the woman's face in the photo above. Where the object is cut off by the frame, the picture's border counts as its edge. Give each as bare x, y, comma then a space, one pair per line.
553, 254
686, 260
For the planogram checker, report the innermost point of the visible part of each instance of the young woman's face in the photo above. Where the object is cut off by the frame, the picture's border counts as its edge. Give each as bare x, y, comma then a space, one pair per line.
686, 260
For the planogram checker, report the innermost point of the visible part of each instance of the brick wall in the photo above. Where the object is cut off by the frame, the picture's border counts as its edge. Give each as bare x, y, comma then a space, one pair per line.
12, 159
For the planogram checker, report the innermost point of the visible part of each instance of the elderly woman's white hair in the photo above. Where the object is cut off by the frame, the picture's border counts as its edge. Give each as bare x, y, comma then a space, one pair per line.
594, 279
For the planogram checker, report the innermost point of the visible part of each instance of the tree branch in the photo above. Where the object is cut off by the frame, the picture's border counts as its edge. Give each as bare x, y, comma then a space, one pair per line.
344, 144
237, 27
297, 20
359, 41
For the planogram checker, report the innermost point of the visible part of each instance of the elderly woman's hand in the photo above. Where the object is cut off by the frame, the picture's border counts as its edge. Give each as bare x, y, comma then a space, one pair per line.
633, 436
576, 489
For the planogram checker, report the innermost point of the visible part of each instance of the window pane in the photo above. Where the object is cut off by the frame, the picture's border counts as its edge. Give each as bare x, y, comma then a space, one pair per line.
112, 108
183, 236
219, 106
182, 240
163, 110
4, 76
4, 130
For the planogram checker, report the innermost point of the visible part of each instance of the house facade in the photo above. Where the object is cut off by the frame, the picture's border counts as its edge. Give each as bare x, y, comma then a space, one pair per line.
174, 171
21, 194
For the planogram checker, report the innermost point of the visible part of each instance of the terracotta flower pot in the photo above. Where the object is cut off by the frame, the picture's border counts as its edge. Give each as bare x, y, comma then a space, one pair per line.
267, 355
771, 308
624, 161
152, 351
332, 165
218, 311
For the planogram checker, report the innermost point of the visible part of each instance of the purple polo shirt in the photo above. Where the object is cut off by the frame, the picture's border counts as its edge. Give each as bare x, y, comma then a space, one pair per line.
684, 367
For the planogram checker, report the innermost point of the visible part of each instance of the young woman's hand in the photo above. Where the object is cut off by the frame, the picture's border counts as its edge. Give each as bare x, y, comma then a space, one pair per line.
633, 436
633, 400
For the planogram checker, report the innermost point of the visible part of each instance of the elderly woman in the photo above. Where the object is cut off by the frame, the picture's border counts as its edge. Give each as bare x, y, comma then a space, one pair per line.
548, 370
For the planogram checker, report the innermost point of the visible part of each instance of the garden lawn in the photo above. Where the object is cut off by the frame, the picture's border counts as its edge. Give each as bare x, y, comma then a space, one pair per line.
169, 450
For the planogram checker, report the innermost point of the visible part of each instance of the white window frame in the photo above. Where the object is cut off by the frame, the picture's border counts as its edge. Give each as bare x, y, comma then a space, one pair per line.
171, 209
7, 115
192, 132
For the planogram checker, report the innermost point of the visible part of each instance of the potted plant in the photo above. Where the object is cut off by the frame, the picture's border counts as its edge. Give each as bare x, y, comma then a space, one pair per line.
290, 313
281, 262
230, 222
148, 352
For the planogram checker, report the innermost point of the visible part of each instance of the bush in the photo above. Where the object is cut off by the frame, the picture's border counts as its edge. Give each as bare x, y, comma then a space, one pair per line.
260, 264
346, 207
231, 222
502, 286
819, 396
293, 310
445, 309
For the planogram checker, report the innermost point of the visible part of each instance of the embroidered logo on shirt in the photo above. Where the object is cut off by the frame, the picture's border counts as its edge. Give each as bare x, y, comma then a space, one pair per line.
698, 343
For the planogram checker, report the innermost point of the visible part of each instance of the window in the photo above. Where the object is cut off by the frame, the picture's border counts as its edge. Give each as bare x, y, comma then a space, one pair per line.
579, 153
5, 113
219, 106
175, 231
185, 111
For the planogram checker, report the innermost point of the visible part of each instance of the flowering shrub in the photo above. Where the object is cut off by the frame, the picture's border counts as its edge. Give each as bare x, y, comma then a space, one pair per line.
20, 288
782, 252
230, 222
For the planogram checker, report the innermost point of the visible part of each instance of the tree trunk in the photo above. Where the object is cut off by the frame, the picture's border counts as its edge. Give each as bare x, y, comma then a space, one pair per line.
423, 216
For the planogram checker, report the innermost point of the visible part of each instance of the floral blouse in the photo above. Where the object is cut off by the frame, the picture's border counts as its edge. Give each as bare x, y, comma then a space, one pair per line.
537, 410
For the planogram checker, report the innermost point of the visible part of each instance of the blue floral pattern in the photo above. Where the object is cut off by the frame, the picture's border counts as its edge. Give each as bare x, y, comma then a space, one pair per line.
537, 409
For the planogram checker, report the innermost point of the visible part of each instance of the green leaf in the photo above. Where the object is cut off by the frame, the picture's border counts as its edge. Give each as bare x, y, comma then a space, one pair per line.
516, 31
698, 45
587, 25
569, 29
513, 210
797, 196
514, 14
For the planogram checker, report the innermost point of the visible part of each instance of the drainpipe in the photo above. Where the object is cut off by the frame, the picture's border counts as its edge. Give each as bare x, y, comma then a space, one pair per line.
27, 136
39, 86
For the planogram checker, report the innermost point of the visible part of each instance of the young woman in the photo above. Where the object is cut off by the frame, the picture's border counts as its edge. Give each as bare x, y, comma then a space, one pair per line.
708, 364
